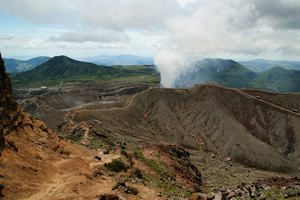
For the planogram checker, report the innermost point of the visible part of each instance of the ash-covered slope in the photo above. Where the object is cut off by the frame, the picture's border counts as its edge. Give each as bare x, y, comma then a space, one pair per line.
225, 121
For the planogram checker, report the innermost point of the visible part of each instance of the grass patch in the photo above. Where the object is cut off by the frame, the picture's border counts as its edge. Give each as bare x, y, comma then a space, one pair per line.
158, 166
147, 178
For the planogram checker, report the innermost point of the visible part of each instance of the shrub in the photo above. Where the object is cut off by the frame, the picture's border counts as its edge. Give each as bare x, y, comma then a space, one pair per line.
125, 154
116, 165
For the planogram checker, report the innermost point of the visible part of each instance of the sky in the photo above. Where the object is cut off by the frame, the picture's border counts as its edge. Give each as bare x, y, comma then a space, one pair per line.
177, 29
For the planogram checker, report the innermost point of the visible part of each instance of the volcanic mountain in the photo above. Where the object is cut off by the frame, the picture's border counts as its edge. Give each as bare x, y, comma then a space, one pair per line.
261, 131
224, 72
64, 69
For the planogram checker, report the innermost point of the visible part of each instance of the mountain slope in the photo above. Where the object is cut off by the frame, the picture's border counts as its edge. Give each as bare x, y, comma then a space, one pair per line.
260, 65
225, 121
13, 65
278, 79
62, 68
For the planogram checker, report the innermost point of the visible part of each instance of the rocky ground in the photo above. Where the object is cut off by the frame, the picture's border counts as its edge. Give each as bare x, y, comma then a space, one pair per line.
220, 177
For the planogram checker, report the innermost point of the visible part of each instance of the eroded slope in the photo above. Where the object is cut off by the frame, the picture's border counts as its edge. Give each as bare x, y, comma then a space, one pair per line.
225, 121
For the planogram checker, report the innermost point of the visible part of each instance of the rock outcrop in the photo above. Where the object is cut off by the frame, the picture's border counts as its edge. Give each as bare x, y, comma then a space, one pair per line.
9, 110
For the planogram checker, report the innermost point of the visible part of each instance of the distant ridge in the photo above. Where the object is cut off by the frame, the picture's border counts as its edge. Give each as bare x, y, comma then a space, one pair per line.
260, 65
230, 73
119, 60
227, 73
14, 65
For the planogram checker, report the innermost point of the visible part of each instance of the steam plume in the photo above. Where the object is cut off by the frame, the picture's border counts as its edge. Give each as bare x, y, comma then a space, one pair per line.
228, 28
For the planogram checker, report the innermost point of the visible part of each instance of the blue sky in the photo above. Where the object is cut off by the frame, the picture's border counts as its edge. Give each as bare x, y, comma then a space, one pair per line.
172, 31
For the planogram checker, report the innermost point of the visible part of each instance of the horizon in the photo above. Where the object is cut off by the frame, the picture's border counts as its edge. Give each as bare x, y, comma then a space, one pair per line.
25, 58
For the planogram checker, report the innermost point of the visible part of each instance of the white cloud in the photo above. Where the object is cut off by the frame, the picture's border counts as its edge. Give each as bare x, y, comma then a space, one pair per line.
91, 36
115, 15
90, 23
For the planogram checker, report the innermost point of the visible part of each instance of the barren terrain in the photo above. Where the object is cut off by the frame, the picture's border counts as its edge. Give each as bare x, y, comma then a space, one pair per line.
51, 104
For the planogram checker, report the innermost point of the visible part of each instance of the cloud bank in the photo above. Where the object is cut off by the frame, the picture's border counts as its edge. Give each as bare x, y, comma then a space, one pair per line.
85, 24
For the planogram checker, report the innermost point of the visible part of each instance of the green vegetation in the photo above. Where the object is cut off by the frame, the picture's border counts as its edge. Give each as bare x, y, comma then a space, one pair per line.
281, 194
160, 167
63, 69
139, 155
116, 166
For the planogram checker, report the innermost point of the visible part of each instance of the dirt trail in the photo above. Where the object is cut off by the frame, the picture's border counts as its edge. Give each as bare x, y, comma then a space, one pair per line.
85, 136
56, 183
73, 180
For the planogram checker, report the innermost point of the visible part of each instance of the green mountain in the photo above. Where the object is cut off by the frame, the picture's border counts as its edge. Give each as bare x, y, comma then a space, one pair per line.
260, 65
63, 69
13, 65
232, 74
279, 80
224, 72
